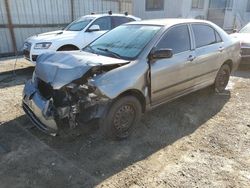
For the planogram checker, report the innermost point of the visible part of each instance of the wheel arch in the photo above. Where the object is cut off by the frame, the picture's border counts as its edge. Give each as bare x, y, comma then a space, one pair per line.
137, 94
229, 62
68, 46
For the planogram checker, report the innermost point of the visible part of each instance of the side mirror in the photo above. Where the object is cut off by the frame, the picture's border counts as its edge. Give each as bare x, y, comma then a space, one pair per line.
235, 30
94, 28
161, 54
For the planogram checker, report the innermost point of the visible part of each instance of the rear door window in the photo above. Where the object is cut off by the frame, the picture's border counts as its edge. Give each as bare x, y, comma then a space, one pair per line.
177, 39
119, 20
218, 37
103, 22
204, 35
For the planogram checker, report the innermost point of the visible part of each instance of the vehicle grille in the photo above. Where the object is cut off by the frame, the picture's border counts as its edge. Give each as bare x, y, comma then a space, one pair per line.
26, 50
245, 51
45, 89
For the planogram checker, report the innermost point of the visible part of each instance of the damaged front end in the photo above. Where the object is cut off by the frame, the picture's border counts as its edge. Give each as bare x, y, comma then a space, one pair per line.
64, 94
73, 103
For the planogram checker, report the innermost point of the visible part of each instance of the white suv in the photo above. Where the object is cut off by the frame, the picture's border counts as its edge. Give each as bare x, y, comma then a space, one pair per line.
75, 36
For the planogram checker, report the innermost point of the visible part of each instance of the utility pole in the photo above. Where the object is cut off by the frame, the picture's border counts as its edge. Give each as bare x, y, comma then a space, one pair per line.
10, 26
72, 10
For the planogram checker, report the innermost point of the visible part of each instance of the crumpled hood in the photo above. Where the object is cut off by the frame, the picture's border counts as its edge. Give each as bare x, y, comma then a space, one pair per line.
53, 35
60, 68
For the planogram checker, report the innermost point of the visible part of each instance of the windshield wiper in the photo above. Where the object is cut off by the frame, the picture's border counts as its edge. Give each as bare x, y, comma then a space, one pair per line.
91, 49
110, 52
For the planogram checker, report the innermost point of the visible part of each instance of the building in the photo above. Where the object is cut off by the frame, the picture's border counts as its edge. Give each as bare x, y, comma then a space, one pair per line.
228, 14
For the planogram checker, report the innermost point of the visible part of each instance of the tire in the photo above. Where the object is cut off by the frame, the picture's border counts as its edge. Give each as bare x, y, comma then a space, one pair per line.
121, 118
67, 48
222, 78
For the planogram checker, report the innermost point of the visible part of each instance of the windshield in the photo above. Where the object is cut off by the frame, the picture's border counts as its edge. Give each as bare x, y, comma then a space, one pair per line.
125, 42
78, 24
245, 29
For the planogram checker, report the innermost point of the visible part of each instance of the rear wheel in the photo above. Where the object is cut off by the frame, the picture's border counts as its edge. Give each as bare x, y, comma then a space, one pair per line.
222, 78
122, 117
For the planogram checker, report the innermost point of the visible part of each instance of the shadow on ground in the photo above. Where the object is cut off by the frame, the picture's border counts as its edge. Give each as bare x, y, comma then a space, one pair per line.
27, 162
243, 71
101, 158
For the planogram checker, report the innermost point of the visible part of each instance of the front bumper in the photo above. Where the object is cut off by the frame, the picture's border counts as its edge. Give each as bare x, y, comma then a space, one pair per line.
38, 109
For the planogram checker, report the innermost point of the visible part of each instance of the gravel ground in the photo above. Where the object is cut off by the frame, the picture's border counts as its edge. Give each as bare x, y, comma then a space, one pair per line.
200, 140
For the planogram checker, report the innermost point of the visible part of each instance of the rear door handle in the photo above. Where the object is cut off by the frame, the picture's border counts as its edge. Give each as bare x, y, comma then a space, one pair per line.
191, 58
221, 49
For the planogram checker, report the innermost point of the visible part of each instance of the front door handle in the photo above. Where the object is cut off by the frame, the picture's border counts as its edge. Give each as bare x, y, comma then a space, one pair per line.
191, 58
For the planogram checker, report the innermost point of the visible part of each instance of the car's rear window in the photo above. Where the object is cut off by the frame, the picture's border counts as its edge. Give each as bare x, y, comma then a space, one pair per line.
119, 20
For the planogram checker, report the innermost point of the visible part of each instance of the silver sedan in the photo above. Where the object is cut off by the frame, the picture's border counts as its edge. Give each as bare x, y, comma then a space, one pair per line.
128, 71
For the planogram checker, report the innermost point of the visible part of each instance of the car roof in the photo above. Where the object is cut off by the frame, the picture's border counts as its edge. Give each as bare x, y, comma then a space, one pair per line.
94, 16
168, 21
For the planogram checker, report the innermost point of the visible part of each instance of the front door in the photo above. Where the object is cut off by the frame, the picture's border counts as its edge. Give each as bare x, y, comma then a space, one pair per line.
172, 76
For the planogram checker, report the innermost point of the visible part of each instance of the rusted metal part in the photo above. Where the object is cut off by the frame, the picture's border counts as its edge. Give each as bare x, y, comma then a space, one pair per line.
10, 26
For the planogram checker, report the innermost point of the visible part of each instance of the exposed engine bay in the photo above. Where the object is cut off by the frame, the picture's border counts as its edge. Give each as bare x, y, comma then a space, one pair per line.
57, 93
76, 101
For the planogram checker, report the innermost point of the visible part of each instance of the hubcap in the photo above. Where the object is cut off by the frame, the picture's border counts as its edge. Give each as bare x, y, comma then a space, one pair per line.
124, 119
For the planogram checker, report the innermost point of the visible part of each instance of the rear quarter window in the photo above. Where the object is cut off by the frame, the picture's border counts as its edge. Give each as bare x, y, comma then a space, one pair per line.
218, 37
205, 35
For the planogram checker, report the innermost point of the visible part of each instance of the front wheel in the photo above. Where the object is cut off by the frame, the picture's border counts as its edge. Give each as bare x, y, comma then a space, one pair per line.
122, 117
222, 78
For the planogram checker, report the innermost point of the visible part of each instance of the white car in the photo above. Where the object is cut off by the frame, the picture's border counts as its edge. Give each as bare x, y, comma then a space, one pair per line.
243, 36
75, 36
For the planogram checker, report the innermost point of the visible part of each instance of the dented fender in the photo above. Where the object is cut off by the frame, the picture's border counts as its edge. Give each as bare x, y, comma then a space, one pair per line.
132, 76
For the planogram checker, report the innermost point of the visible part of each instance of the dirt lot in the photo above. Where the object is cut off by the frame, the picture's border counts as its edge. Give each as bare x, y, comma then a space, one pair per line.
201, 140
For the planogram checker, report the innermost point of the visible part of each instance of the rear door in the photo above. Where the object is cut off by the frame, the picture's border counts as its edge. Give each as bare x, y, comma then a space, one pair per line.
170, 77
209, 53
